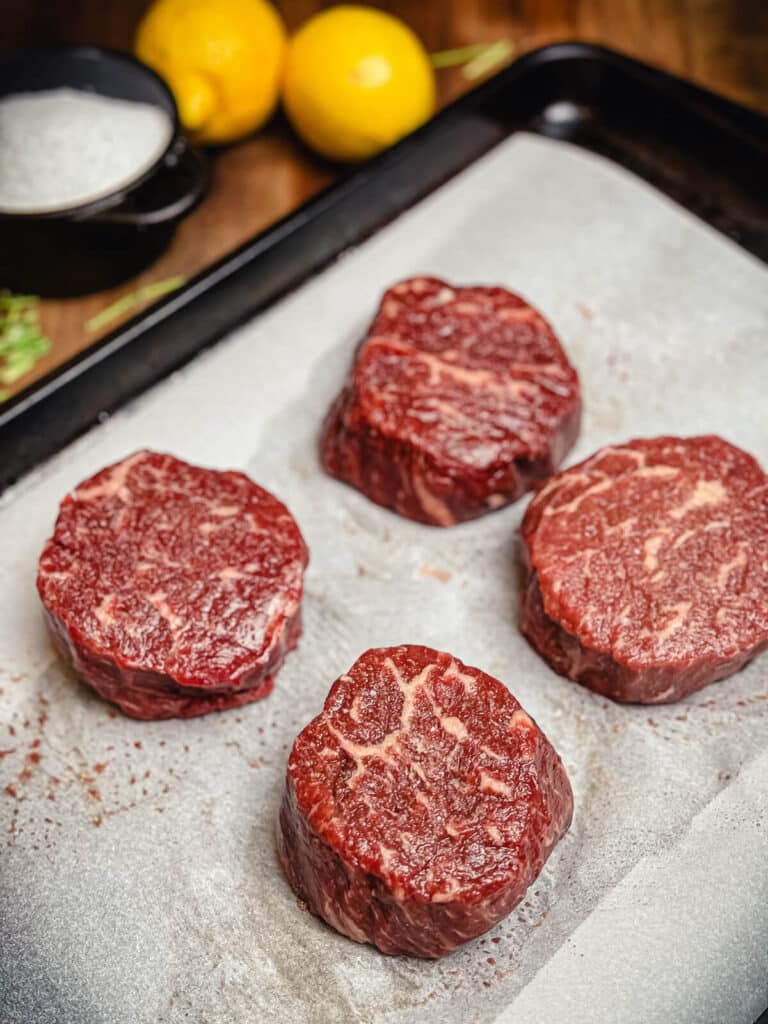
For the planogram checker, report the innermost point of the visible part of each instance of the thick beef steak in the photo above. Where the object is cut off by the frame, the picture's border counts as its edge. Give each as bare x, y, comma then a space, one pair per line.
459, 401
420, 804
173, 590
648, 568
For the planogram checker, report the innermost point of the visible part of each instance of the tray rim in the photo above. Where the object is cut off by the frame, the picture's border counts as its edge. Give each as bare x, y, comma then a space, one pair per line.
63, 382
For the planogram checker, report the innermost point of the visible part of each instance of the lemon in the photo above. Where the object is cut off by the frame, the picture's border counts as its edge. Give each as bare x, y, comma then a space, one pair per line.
355, 81
222, 60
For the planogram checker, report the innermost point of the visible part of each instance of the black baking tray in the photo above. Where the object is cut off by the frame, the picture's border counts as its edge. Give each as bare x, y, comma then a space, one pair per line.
707, 153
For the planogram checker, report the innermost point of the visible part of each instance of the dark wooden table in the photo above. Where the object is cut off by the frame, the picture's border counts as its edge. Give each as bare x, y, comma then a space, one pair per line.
721, 44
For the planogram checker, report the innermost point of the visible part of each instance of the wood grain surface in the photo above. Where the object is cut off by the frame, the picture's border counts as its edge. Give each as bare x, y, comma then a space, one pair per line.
721, 44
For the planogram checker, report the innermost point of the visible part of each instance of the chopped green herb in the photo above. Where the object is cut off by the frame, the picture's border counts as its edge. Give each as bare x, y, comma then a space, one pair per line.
492, 57
452, 58
22, 342
131, 301
476, 60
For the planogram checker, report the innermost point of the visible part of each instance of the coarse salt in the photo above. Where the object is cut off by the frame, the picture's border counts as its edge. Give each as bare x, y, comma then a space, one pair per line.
61, 148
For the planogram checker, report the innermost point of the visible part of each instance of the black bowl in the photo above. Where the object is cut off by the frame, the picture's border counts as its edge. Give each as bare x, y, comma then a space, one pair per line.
100, 243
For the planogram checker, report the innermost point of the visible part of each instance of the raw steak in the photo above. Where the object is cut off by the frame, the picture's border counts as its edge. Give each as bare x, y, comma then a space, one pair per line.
459, 401
420, 805
173, 590
648, 568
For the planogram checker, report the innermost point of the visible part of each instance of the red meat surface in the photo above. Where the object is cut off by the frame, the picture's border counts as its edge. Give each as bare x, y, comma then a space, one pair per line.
173, 590
459, 401
420, 804
648, 568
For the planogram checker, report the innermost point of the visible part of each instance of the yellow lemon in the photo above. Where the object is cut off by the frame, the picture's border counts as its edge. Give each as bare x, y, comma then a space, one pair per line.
222, 59
355, 81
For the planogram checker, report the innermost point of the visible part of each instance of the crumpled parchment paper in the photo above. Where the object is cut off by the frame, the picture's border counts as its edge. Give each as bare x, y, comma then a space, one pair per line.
138, 880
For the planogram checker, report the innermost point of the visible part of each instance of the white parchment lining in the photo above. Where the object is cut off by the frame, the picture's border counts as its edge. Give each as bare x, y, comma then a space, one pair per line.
138, 881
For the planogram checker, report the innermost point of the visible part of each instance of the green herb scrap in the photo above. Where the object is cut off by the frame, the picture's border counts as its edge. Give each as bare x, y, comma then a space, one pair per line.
127, 303
22, 342
477, 60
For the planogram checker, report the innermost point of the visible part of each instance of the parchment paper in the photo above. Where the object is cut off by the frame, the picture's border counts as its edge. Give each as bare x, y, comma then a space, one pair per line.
138, 881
